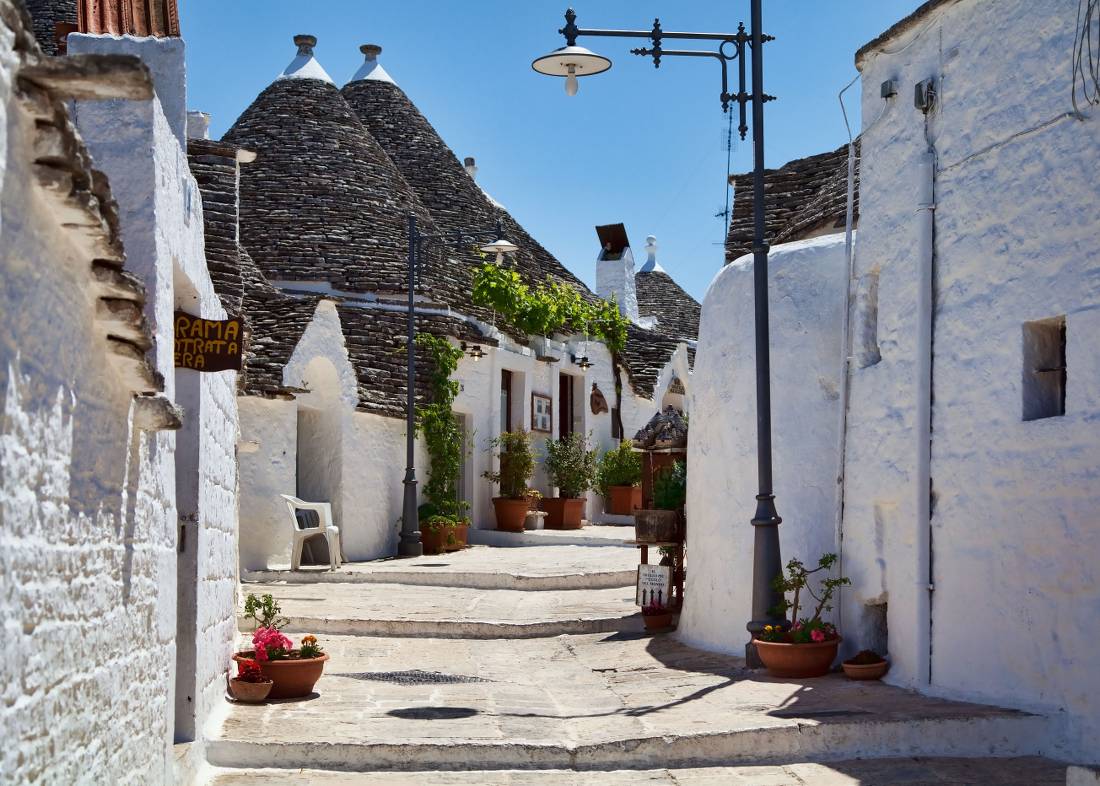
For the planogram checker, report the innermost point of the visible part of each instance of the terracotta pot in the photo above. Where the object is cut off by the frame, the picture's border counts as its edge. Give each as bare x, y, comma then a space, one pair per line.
457, 540
250, 692
658, 526
432, 540
797, 660
511, 513
293, 677
623, 500
865, 671
564, 512
657, 621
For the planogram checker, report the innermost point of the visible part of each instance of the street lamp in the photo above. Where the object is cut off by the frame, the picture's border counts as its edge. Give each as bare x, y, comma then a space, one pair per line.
572, 61
409, 544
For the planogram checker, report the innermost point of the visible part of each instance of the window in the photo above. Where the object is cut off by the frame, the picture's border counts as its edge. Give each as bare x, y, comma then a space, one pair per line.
1044, 377
565, 406
505, 400
616, 432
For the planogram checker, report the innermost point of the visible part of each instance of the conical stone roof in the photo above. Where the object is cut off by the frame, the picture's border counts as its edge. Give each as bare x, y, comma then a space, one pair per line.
322, 202
440, 182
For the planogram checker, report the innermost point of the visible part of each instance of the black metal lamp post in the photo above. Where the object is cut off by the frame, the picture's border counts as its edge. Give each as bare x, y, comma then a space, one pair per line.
409, 544
571, 62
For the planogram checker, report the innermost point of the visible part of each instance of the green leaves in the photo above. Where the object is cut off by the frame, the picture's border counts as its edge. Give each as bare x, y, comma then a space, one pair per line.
436, 422
548, 308
619, 466
570, 464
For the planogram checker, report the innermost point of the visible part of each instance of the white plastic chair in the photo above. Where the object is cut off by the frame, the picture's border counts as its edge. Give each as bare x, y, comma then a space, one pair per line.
303, 533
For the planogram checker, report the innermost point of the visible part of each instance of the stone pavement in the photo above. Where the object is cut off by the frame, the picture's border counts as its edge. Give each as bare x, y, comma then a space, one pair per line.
1030, 771
455, 685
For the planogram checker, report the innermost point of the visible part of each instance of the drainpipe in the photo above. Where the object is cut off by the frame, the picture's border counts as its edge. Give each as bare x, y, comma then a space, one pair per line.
926, 227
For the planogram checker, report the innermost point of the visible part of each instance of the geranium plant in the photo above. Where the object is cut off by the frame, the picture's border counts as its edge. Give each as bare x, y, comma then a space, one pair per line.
268, 641
250, 671
805, 630
654, 609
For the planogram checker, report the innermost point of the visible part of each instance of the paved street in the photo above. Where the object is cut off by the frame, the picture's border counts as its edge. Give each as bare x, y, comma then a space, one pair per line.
436, 684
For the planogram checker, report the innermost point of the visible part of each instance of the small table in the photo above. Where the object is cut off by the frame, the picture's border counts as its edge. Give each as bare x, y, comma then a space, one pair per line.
677, 599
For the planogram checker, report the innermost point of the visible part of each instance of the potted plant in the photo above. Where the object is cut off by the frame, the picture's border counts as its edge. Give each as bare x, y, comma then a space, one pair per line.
656, 616
250, 685
664, 523
808, 647
619, 480
437, 532
293, 671
572, 468
535, 516
516, 462
867, 665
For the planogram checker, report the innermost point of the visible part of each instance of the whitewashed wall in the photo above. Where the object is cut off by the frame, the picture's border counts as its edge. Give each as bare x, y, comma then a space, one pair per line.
139, 148
267, 453
807, 296
1016, 546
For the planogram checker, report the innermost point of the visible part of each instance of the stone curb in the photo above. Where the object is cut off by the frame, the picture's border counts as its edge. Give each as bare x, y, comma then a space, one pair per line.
1010, 734
458, 629
467, 580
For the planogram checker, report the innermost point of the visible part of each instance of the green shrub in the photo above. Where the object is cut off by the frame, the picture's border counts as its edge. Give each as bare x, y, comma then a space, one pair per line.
620, 466
670, 487
571, 465
517, 462
435, 420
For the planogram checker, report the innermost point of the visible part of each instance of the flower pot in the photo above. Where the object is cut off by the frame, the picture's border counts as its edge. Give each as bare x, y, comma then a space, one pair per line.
865, 671
293, 677
510, 513
564, 512
535, 519
458, 538
433, 540
783, 659
623, 500
658, 526
250, 692
657, 621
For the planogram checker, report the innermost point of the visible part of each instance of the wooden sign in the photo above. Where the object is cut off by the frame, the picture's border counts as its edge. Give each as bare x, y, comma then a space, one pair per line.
654, 585
208, 344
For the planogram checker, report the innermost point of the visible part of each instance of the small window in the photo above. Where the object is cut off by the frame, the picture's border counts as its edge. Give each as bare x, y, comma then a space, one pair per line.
616, 432
505, 400
1044, 368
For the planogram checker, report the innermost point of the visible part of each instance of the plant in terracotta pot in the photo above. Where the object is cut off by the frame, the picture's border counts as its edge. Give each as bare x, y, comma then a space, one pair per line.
656, 616
619, 479
664, 523
516, 463
293, 671
535, 517
439, 534
250, 685
867, 665
808, 647
572, 468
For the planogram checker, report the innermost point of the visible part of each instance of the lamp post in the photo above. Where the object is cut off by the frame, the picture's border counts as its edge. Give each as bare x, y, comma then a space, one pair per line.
571, 62
409, 544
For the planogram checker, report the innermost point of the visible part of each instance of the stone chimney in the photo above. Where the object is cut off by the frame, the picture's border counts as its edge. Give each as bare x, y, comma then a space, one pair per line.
141, 18
615, 270
198, 125
471, 167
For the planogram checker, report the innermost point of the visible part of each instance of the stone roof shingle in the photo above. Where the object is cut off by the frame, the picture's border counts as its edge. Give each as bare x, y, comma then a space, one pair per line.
660, 296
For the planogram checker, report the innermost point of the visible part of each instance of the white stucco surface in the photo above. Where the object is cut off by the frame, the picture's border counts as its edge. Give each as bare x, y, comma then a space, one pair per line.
807, 296
615, 281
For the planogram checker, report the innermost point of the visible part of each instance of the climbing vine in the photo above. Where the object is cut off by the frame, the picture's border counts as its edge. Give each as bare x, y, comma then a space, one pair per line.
436, 421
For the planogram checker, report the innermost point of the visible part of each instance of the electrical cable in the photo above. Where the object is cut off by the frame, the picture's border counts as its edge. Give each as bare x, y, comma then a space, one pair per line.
1086, 56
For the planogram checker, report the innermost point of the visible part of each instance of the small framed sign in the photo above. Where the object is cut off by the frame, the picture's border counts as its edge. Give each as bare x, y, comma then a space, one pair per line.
542, 413
654, 585
208, 344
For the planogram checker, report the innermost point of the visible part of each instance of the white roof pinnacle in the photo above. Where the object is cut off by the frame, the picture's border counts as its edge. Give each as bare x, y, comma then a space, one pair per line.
651, 264
305, 65
371, 70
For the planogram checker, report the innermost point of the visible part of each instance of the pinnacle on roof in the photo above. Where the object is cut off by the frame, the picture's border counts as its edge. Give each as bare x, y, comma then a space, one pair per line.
371, 68
651, 264
305, 65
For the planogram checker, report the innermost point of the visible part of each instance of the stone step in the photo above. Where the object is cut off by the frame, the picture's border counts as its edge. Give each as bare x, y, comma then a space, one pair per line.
1016, 771
553, 567
404, 610
589, 535
594, 702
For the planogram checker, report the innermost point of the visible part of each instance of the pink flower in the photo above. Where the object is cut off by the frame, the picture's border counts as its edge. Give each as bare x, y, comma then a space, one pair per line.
817, 634
265, 639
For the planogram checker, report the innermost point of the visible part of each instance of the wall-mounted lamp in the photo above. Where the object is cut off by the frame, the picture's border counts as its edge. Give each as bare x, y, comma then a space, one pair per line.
474, 351
583, 362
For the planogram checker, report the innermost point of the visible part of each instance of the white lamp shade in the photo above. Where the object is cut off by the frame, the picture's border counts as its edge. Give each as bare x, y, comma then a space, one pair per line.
499, 247
584, 62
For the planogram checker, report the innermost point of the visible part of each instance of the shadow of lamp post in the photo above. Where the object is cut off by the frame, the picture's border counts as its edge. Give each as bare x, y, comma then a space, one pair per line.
409, 544
572, 61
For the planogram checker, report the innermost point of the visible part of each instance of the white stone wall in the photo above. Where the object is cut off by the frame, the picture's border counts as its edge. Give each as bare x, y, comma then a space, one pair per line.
1015, 542
615, 281
267, 454
807, 296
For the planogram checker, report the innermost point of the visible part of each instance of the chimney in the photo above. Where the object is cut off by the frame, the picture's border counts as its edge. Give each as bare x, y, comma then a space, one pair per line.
198, 125
305, 44
471, 167
615, 270
140, 18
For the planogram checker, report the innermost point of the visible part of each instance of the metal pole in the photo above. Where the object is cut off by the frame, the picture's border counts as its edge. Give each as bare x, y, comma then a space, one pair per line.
410, 545
767, 561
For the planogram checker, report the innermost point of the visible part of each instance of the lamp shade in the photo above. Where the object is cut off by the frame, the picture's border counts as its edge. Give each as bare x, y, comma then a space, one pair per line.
583, 61
499, 246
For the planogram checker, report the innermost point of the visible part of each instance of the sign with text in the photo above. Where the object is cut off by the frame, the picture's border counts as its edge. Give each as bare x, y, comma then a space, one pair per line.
654, 584
208, 344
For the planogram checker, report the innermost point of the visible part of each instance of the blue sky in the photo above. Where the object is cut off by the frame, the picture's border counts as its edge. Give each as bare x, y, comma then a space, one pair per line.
636, 145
